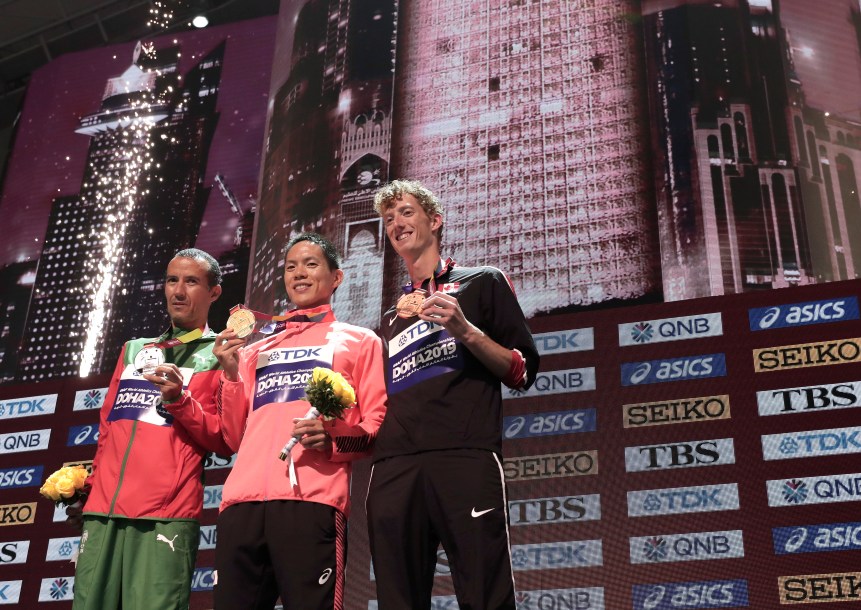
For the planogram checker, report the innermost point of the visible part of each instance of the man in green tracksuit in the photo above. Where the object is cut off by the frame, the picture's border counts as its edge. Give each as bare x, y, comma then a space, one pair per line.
140, 522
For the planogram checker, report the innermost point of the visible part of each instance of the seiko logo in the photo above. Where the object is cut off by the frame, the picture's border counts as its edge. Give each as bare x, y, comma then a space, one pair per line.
671, 329
674, 500
212, 496
697, 594
565, 341
673, 369
14, 552
544, 424
800, 314
83, 435
811, 443
28, 476
817, 538
805, 355
557, 382
563, 509
17, 514
694, 546
17, 442
677, 411
551, 465
680, 455
820, 397
809, 588
814, 490
26, 407
203, 579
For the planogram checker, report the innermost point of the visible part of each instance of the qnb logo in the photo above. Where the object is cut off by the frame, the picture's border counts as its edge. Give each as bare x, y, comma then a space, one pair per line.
697, 594
695, 546
673, 369
802, 314
60, 587
642, 332
92, 399
795, 491
814, 490
16, 442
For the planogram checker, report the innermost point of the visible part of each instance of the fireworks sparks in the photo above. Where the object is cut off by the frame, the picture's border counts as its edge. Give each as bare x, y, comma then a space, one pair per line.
163, 12
122, 183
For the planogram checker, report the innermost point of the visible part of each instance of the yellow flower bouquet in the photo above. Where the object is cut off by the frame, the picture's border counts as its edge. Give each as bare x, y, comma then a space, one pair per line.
66, 485
330, 395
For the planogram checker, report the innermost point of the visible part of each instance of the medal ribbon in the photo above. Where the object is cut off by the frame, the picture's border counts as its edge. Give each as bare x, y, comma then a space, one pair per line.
442, 267
316, 314
188, 337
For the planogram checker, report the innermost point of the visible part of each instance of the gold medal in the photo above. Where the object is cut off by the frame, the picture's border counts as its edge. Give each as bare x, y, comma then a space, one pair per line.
409, 305
148, 358
242, 322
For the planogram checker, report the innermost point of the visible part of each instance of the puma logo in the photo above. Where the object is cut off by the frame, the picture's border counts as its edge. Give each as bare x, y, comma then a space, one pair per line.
166, 540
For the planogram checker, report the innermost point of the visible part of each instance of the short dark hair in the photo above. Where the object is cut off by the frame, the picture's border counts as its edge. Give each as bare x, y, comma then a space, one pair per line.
213, 271
333, 259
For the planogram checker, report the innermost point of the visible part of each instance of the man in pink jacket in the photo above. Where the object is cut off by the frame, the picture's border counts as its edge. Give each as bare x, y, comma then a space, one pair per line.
275, 537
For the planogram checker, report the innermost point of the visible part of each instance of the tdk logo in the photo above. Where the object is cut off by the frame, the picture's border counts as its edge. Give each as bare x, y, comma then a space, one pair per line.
212, 496
204, 579
83, 435
546, 424
671, 329
28, 476
802, 314
676, 500
817, 538
697, 594
10, 591
695, 546
811, 443
673, 369
557, 555
26, 407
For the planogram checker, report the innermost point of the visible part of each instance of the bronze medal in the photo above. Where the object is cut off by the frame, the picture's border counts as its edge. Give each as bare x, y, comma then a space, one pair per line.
242, 322
410, 304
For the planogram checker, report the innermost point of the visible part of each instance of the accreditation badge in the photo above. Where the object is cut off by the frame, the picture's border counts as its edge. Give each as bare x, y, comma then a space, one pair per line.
148, 358
410, 304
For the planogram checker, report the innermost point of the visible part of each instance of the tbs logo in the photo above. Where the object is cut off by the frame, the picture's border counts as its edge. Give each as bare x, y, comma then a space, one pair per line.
802, 314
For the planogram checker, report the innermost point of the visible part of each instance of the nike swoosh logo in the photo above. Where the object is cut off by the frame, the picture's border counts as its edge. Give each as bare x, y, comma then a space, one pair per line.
392, 321
478, 513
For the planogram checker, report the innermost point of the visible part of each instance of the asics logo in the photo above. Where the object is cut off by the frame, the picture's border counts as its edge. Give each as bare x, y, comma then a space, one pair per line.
325, 576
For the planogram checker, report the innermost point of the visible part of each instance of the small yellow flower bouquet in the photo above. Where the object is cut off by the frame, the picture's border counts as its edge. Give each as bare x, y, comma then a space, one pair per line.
329, 394
65, 486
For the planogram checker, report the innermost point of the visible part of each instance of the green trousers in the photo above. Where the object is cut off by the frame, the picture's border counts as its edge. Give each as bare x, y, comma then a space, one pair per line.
135, 564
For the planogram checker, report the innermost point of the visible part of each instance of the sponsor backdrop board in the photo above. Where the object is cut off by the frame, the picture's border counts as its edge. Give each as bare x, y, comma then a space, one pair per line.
697, 454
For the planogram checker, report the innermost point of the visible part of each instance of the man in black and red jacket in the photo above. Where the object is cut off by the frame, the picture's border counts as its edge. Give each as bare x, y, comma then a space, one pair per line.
454, 337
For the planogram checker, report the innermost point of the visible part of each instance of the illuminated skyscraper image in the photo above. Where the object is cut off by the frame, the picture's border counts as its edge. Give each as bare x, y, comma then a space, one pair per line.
100, 276
327, 151
730, 209
527, 119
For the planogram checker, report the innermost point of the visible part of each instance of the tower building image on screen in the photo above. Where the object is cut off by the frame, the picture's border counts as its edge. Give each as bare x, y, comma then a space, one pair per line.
100, 274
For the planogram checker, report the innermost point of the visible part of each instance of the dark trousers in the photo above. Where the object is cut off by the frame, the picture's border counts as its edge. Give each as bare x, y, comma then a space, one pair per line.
453, 497
287, 547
